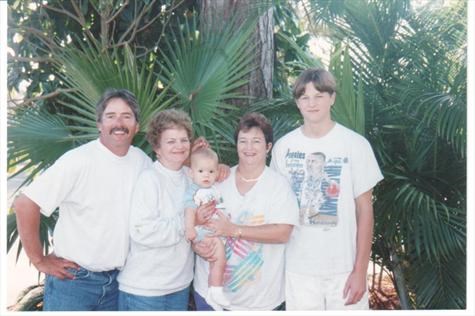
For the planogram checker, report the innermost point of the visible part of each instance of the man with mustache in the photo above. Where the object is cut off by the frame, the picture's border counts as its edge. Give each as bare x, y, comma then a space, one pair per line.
92, 186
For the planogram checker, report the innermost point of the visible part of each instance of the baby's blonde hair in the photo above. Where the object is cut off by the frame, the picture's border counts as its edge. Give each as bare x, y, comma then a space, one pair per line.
207, 153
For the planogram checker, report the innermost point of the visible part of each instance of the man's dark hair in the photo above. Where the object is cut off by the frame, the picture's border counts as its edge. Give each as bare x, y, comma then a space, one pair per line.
124, 94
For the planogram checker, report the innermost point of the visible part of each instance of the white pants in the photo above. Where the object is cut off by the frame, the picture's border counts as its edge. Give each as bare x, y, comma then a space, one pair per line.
307, 292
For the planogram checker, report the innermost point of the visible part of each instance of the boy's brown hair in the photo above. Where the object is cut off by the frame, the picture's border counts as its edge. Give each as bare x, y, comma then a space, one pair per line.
322, 80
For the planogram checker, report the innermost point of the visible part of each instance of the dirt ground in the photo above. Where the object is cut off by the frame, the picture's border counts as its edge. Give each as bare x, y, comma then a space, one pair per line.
382, 294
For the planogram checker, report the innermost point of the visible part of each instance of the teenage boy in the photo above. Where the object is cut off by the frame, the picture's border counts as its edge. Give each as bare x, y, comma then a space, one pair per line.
333, 171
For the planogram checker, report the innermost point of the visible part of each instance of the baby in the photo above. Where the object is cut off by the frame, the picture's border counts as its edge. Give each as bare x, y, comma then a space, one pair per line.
204, 170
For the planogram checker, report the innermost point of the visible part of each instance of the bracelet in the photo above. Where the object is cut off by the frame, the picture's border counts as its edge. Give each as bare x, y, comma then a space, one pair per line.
238, 233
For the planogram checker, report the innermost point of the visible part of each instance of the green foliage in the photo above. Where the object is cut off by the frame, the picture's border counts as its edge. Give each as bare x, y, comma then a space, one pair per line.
55, 24
203, 69
46, 229
291, 46
31, 133
446, 291
91, 70
349, 107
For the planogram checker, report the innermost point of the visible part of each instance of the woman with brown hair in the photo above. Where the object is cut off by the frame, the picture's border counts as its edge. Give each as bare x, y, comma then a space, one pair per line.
263, 210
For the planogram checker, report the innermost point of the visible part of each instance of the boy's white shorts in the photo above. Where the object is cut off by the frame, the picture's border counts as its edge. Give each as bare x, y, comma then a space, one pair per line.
307, 292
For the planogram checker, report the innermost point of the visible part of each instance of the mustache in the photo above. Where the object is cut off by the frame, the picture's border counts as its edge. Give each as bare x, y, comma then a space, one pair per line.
119, 129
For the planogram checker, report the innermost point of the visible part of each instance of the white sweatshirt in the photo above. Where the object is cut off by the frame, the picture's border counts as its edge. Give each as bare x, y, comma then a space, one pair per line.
160, 260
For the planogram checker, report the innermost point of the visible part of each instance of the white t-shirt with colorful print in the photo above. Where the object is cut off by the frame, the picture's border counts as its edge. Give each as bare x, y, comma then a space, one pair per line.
327, 174
254, 275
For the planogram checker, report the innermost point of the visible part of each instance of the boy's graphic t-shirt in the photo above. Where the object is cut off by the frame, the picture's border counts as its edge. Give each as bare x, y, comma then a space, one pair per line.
254, 273
317, 185
326, 174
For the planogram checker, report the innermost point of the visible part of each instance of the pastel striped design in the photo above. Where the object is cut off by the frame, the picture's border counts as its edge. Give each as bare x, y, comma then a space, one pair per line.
244, 271
237, 246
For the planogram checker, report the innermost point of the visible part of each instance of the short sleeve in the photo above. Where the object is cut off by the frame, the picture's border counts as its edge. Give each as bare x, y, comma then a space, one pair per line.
52, 187
283, 202
188, 200
364, 167
276, 158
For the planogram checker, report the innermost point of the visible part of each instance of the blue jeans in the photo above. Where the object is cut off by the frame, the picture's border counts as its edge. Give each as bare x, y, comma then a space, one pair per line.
177, 301
88, 291
201, 304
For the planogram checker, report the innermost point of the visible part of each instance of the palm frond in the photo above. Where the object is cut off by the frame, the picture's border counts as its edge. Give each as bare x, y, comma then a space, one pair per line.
282, 112
204, 69
36, 138
349, 108
92, 70
47, 225
306, 60
437, 283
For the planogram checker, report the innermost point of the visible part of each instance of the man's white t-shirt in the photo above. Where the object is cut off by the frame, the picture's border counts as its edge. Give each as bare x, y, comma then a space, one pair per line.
327, 174
92, 188
254, 274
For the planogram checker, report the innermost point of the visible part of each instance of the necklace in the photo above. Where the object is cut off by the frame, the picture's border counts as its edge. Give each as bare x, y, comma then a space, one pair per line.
249, 180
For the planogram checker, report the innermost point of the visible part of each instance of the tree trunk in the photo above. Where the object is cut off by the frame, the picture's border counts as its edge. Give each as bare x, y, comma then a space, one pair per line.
260, 78
30, 299
400, 282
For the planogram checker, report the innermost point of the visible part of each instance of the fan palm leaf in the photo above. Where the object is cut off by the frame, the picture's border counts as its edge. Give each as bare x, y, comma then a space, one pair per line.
36, 138
92, 70
204, 69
